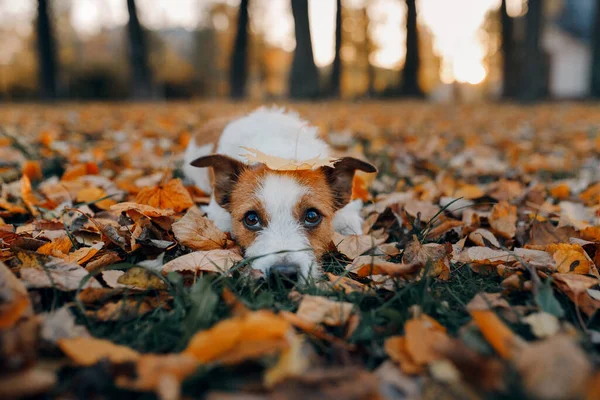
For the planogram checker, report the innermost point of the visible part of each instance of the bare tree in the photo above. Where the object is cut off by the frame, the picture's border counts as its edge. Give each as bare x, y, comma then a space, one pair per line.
304, 77
336, 69
239, 62
532, 77
141, 76
509, 78
595, 89
410, 72
46, 49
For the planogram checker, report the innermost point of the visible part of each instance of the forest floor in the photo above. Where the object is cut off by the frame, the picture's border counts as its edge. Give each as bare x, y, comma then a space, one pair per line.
475, 276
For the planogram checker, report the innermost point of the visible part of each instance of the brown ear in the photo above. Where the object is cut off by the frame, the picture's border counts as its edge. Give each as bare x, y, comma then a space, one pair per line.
341, 175
226, 173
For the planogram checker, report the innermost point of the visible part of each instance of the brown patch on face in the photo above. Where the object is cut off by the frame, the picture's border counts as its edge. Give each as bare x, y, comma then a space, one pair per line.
321, 199
244, 198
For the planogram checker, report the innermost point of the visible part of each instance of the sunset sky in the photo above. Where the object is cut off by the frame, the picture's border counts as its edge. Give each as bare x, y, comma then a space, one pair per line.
455, 25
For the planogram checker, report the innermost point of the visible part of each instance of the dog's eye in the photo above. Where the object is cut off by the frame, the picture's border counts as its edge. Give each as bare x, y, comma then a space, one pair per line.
312, 217
252, 220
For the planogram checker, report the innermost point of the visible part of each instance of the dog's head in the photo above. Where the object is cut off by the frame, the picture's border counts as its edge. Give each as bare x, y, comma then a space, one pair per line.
283, 219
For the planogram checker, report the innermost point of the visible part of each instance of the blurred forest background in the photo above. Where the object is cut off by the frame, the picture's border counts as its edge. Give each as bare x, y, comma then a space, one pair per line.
528, 50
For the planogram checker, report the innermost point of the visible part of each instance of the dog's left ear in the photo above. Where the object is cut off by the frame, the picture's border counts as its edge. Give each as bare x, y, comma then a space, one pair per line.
340, 178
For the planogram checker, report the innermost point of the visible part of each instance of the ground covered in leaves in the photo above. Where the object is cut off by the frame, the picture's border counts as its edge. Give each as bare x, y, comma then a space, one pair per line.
476, 276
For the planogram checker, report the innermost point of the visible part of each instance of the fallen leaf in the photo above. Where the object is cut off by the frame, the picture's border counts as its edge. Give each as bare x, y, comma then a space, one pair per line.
555, 368
570, 258
140, 278
574, 214
483, 255
29, 383
88, 351
60, 324
204, 261
575, 287
319, 309
172, 195
353, 246
364, 266
483, 237
241, 338
14, 299
57, 248
199, 233
283, 164
498, 335
542, 324
146, 210
83, 254
503, 219
346, 284
152, 370
436, 256
95, 195
424, 209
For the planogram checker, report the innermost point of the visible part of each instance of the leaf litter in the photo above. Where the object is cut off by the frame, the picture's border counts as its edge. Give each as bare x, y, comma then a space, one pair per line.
479, 255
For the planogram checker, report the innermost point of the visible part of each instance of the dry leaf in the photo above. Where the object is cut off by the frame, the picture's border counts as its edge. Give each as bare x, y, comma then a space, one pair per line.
437, 256
353, 246
29, 383
364, 266
14, 299
498, 335
146, 210
576, 288
554, 368
282, 164
542, 324
199, 233
503, 219
318, 309
570, 258
95, 195
483, 237
240, 338
172, 195
483, 255
57, 248
204, 261
88, 351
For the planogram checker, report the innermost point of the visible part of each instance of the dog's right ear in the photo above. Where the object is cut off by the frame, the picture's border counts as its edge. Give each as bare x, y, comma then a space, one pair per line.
226, 173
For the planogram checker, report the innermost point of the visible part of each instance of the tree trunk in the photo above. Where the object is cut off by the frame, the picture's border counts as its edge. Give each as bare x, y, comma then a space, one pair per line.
239, 62
141, 77
368, 50
410, 73
46, 48
532, 76
509, 78
336, 69
595, 89
304, 77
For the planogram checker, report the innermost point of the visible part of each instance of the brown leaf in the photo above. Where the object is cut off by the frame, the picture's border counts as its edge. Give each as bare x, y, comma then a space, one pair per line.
503, 219
146, 210
438, 255
364, 266
353, 246
554, 368
172, 195
576, 288
199, 233
319, 309
204, 261
14, 299
95, 195
29, 383
483, 237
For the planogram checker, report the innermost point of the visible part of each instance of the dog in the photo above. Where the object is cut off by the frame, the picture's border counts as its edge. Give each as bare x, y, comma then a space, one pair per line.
284, 220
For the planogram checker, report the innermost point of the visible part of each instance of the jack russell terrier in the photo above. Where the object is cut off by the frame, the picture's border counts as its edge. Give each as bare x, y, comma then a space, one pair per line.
284, 220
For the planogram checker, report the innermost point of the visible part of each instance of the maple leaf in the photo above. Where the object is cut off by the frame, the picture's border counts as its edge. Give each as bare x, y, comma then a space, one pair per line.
172, 195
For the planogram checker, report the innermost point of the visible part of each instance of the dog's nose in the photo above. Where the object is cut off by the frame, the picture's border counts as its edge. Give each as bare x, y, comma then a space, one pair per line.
287, 272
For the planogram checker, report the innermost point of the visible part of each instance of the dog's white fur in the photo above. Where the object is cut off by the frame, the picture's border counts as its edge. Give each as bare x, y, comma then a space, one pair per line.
279, 133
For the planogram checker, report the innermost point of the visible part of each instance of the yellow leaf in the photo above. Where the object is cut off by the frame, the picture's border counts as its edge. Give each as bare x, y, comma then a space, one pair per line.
93, 194
282, 164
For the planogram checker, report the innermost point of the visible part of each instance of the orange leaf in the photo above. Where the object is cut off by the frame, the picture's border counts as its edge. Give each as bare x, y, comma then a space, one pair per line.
93, 194
503, 219
502, 339
282, 164
570, 258
172, 195
57, 248
32, 169
88, 351
240, 338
